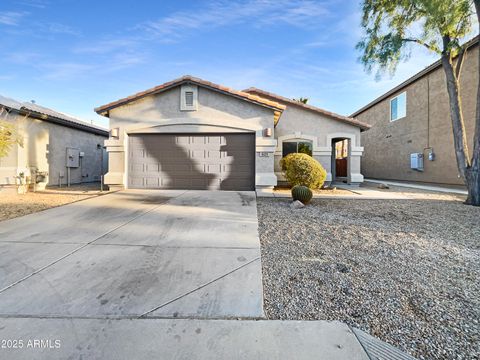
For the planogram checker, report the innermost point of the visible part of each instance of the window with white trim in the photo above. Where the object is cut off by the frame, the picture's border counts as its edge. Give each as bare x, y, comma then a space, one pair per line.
297, 146
188, 98
398, 107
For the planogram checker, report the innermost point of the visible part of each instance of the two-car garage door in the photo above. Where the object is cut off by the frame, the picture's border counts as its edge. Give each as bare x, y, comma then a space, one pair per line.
192, 161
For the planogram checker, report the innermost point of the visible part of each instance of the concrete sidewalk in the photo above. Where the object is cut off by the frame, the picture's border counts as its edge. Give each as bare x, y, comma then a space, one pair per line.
426, 187
181, 339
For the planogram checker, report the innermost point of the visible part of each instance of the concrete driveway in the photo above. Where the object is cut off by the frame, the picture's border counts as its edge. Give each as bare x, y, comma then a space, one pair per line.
135, 254
148, 275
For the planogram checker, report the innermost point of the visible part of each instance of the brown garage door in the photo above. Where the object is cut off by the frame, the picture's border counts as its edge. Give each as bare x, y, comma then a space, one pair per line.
191, 161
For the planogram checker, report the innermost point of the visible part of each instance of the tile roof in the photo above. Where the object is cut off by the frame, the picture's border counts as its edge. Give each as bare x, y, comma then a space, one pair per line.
103, 110
50, 115
334, 116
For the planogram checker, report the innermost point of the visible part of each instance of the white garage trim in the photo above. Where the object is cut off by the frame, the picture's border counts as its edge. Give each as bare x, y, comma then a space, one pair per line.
222, 124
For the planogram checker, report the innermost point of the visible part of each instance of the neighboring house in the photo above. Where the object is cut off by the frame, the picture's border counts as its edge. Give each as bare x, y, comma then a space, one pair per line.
411, 124
193, 134
51, 142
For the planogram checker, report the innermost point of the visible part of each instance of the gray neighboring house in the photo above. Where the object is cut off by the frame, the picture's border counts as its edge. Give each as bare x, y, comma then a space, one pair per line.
55, 146
193, 134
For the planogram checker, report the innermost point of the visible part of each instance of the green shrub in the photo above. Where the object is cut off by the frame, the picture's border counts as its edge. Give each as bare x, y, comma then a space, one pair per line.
302, 194
302, 169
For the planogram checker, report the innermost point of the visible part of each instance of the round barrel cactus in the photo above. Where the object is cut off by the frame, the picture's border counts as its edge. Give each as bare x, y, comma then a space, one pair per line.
302, 194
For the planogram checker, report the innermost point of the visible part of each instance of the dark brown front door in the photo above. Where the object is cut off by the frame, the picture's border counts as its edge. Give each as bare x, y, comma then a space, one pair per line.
192, 161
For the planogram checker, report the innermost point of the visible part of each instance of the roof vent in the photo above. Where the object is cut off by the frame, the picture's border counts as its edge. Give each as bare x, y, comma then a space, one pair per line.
188, 98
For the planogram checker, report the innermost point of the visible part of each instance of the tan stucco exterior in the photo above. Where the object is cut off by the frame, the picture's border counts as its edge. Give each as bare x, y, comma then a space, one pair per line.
216, 113
388, 145
297, 123
219, 112
44, 150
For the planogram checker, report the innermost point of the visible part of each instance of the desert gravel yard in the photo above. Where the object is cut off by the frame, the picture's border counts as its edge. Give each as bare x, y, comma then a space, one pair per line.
14, 205
406, 271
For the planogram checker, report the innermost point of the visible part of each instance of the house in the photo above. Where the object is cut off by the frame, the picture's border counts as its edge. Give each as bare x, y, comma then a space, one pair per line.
411, 138
193, 134
57, 149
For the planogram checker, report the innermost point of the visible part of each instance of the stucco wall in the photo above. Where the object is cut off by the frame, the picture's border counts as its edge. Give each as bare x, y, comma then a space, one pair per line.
388, 145
44, 148
8, 164
298, 123
217, 112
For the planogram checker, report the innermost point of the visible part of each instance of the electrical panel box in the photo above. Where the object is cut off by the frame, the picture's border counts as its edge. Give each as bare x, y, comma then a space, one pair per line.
416, 161
73, 158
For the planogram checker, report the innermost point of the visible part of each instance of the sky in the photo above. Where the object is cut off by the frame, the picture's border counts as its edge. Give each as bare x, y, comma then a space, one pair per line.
73, 55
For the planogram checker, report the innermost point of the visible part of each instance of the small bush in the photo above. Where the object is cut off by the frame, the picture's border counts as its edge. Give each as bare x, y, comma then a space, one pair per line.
302, 169
302, 194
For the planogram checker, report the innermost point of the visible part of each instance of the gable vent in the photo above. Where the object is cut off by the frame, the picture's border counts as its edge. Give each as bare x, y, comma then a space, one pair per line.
189, 98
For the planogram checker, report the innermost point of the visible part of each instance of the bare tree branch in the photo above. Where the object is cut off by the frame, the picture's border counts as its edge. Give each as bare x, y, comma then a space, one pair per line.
418, 41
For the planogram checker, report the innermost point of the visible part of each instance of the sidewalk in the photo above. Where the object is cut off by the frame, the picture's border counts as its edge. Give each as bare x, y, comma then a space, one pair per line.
443, 189
192, 339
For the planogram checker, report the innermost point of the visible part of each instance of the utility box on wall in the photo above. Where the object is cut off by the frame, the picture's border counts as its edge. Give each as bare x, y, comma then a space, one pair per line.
73, 158
416, 161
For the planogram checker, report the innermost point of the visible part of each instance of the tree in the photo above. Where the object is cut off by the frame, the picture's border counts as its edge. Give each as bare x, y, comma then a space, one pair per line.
9, 135
393, 26
302, 100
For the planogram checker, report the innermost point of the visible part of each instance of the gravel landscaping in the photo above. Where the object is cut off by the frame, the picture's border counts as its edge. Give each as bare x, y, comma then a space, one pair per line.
14, 205
406, 271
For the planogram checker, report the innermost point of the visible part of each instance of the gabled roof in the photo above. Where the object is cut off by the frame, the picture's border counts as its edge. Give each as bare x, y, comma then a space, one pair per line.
334, 116
429, 69
104, 109
49, 115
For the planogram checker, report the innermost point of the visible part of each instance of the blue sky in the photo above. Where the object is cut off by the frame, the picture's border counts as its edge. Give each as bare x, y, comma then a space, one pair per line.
75, 55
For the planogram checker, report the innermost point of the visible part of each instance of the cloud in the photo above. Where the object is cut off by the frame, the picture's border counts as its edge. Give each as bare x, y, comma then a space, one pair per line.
221, 13
106, 46
317, 44
11, 18
39, 4
51, 70
124, 60
56, 28
23, 57
7, 77
65, 71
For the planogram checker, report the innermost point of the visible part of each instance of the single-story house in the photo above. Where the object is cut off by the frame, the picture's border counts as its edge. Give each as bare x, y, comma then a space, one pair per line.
411, 138
193, 134
57, 148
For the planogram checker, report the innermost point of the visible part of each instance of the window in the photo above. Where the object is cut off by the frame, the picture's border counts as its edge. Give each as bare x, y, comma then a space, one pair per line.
188, 98
289, 147
398, 107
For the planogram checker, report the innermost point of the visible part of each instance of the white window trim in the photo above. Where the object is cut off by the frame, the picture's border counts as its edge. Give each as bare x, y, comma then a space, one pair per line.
183, 90
390, 115
297, 141
298, 136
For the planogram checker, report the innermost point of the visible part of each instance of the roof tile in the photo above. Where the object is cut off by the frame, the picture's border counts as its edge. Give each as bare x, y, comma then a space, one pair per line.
281, 99
103, 110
